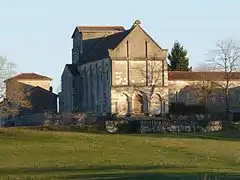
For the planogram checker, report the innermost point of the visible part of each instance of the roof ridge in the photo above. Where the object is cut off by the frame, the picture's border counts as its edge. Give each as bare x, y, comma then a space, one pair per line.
99, 26
42, 89
28, 75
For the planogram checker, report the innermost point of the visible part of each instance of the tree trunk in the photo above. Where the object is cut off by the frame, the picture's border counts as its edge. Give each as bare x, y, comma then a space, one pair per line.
227, 119
149, 107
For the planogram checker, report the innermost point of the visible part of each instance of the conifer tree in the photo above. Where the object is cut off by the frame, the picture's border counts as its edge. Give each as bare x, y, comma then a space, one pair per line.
178, 58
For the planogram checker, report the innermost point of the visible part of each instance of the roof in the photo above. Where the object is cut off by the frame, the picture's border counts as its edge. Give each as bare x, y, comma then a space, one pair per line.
73, 69
29, 76
39, 89
198, 76
100, 28
88, 44
100, 49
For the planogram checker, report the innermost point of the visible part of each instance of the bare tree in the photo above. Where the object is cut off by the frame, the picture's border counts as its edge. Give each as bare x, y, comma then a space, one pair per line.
226, 58
12, 93
150, 75
203, 87
203, 67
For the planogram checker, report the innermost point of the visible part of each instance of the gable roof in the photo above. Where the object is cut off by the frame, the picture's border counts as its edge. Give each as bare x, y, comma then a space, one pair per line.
29, 76
100, 49
73, 69
198, 76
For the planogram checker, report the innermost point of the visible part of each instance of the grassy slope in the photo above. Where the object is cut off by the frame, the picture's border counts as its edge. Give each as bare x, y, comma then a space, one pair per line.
56, 155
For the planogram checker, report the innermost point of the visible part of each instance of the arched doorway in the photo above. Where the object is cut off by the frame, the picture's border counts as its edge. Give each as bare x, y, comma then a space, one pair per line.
138, 103
123, 104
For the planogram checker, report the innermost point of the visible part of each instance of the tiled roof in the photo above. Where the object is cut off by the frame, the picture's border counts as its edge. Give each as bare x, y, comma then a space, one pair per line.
29, 76
73, 69
101, 47
100, 28
211, 76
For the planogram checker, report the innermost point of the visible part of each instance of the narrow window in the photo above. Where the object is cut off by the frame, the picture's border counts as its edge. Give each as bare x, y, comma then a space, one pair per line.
73, 84
163, 71
81, 46
107, 74
127, 49
146, 49
163, 106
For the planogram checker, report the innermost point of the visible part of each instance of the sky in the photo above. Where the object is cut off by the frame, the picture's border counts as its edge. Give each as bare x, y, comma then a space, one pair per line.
36, 35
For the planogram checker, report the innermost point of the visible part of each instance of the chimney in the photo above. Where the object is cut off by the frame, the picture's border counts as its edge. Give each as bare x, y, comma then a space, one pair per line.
50, 89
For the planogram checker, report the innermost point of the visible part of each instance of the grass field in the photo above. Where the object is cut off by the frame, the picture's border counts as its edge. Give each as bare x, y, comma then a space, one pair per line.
32, 154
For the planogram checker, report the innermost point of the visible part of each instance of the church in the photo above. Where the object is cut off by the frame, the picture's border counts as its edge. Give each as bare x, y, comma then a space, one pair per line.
124, 71
115, 70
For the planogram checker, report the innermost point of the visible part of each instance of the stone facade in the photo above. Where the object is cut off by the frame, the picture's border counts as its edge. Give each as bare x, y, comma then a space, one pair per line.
184, 88
31, 80
118, 71
45, 84
36, 88
114, 70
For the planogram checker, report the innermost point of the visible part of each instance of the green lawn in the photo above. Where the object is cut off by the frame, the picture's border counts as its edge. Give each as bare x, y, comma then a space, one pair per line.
32, 154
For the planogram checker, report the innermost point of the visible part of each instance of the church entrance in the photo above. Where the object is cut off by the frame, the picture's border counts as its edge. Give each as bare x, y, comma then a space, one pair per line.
138, 104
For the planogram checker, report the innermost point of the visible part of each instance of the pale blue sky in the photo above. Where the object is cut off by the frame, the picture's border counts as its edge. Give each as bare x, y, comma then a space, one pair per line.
36, 35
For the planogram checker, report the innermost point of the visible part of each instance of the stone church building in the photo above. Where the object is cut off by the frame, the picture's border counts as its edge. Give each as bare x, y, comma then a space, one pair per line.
115, 70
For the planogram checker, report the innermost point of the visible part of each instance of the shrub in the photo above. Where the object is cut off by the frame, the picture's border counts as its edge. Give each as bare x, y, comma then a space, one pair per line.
235, 126
124, 127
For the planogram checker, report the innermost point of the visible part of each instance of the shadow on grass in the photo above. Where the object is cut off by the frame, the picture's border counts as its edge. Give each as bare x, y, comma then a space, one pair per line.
68, 128
223, 136
167, 172
154, 175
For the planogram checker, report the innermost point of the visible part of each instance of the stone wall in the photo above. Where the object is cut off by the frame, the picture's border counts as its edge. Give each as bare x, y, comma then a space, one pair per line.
67, 90
96, 77
45, 84
120, 73
182, 91
124, 100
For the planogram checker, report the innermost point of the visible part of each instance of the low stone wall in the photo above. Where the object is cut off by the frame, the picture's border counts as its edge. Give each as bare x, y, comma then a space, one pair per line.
70, 119
168, 126
163, 126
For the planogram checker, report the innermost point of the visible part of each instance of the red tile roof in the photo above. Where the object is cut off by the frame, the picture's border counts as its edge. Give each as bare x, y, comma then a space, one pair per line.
189, 75
29, 76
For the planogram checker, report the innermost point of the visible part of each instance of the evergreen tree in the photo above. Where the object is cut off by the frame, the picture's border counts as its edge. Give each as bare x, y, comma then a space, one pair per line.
178, 58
